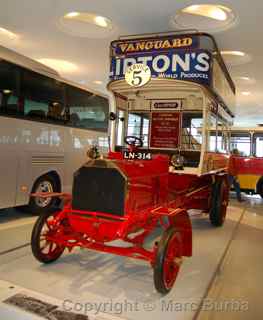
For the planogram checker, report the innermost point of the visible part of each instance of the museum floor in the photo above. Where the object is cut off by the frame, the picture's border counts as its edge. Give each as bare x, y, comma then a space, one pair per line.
223, 279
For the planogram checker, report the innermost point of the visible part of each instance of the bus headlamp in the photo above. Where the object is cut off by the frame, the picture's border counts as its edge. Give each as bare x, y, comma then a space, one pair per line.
93, 152
177, 161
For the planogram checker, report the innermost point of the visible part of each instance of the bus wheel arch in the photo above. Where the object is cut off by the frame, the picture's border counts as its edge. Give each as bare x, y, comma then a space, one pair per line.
47, 182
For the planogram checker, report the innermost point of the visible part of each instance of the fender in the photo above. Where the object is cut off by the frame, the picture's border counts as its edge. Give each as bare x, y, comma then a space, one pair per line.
182, 223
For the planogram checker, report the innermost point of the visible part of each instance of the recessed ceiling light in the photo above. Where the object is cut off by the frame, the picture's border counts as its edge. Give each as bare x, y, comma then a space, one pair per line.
72, 14
86, 24
97, 82
7, 33
244, 78
241, 80
233, 53
235, 58
209, 11
205, 17
7, 91
59, 65
87, 17
246, 93
101, 21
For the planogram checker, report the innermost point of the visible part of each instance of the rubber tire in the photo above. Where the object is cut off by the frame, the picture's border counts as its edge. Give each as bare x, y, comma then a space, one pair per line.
160, 257
35, 240
216, 217
260, 187
32, 207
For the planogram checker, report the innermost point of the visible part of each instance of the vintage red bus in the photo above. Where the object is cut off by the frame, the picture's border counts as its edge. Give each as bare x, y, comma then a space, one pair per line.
171, 91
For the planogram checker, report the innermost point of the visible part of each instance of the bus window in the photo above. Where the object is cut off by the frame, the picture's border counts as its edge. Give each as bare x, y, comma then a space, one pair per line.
258, 145
192, 131
242, 142
120, 127
87, 111
222, 142
9, 76
138, 125
222, 137
43, 97
212, 133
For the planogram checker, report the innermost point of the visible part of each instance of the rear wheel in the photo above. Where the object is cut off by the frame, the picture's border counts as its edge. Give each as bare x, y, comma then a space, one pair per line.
168, 260
43, 249
260, 187
37, 205
219, 203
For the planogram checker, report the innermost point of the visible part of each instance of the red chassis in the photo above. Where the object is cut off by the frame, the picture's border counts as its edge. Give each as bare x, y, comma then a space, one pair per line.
152, 197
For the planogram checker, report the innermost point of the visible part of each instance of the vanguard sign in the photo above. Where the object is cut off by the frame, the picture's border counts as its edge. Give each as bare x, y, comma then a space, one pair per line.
181, 65
149, 45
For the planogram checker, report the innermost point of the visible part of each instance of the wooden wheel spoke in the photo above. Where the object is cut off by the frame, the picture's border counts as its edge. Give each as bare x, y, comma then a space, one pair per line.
48, 225
44, 246
43, 237
50, 248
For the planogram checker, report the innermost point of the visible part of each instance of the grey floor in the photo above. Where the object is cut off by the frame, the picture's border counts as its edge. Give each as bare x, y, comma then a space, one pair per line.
225, 271
15, 228
237, 292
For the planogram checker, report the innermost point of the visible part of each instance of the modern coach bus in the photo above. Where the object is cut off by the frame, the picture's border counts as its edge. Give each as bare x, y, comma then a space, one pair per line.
46, 127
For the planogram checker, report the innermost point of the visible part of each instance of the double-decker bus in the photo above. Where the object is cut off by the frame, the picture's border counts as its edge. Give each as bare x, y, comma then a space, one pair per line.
174, 95
187, 106
46, 126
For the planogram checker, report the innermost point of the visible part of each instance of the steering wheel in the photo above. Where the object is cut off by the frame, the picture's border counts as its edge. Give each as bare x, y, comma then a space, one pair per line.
133, 141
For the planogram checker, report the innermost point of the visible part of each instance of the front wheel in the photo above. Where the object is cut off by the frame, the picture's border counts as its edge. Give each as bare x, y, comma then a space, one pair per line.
43, 249
168, 260
219, 203
38, 205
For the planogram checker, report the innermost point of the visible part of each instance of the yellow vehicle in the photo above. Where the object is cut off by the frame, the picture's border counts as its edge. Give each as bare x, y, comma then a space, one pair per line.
249, 161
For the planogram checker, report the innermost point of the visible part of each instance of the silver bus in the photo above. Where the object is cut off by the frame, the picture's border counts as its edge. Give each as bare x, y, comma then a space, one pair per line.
46, 126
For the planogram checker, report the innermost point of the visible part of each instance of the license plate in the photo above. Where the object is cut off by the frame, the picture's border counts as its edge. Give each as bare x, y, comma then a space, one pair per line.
137, 155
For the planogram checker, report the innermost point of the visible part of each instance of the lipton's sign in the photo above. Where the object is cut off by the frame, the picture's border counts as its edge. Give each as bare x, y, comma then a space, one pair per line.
174, 57
194, 65
148, 45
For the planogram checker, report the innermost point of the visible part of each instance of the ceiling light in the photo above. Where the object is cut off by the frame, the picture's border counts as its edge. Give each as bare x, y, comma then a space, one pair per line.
246, 93
208, 11
91, 18
244, 78
59, 65
97, 82
72, 14
101, 21
241, 80
86, 24
7, 91
8, 34
204, 17
233, 53
235, 58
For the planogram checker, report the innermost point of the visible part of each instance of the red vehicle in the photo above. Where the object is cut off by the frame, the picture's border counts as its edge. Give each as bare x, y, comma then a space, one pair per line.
249, 163
151, 184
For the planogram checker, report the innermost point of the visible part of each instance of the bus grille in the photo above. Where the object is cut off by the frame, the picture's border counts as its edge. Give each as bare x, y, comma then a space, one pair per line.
99, 189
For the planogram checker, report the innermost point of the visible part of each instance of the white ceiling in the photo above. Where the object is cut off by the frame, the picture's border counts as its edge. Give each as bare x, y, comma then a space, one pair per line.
36, 23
